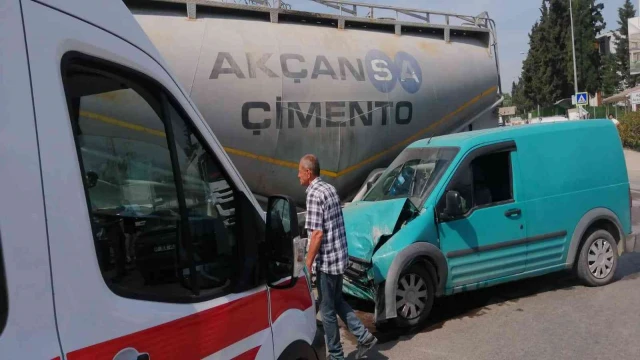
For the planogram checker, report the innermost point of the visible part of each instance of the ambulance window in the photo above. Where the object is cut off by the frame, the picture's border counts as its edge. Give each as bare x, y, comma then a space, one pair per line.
156, 238
211, 208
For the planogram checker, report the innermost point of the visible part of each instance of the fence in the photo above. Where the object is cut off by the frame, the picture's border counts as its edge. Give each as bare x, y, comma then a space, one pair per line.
595, 112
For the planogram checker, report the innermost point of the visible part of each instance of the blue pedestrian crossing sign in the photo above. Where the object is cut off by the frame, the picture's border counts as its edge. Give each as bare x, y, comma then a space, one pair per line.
582, 98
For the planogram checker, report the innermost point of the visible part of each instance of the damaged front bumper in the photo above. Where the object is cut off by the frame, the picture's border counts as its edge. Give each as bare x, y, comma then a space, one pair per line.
359, 284
357, 281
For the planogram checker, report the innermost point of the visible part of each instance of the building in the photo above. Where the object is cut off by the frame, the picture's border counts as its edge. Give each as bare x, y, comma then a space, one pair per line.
607, 43
623, 98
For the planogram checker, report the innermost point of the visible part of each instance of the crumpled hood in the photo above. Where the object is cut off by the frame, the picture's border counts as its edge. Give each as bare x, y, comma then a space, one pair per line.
367, 221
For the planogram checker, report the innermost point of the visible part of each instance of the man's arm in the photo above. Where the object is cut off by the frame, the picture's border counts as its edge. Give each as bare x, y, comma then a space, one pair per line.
314, 246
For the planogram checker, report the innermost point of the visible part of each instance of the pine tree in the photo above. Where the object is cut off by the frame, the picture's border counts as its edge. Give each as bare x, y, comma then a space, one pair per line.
559, 31
610, 77
519, 99
547, 73
529, 80
534, 79
622, 46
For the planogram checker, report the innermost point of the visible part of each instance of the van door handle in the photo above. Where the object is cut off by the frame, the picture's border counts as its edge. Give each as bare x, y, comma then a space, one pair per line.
511, 212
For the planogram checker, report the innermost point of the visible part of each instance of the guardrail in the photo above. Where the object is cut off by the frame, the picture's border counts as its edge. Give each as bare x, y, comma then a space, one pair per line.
352, 8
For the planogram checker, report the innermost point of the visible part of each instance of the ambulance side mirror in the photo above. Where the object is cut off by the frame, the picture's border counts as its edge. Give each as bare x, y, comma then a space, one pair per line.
285, 248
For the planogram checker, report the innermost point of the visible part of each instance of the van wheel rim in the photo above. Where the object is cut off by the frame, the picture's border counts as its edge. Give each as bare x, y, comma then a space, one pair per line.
411, 296
600, 258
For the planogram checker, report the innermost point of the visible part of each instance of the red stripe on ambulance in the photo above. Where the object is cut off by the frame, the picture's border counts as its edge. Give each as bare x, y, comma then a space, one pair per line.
192, 337
298, 297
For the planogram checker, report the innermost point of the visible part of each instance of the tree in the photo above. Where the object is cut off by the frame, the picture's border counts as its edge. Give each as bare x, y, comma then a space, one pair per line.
559, 52
508, 100
610, 77
535, 75
626, 12
520, 100
547, 72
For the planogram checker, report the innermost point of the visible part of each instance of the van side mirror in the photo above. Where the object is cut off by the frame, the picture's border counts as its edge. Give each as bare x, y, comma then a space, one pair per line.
453, 204
285, 248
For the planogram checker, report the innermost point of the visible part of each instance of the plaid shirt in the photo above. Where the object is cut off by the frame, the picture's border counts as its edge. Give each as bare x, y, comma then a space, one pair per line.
325, 213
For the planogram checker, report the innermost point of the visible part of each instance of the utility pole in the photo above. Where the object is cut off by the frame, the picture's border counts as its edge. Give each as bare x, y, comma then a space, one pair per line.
573, 47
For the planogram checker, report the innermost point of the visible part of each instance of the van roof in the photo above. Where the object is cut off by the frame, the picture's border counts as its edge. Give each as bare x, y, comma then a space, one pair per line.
471, 138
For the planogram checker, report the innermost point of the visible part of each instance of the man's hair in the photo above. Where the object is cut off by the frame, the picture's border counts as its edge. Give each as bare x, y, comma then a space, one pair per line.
311, 162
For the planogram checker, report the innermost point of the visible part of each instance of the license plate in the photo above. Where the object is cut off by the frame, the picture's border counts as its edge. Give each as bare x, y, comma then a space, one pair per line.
162, 248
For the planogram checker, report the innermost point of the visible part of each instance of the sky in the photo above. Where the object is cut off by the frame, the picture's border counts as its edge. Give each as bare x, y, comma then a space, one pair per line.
514, 19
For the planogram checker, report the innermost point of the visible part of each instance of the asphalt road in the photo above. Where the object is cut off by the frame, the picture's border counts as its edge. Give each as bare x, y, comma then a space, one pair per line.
550, 317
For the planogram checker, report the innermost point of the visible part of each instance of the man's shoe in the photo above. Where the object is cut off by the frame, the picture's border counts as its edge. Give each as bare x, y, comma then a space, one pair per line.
366, 346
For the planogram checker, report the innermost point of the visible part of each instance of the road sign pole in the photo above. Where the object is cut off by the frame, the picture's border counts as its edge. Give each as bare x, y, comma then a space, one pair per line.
573, 47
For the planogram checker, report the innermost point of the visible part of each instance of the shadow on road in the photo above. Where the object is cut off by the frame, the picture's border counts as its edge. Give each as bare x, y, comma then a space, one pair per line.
628, 267
477, 303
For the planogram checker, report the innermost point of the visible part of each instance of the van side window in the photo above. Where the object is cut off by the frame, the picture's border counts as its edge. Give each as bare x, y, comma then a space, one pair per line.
162, 209
486, 181
492, 181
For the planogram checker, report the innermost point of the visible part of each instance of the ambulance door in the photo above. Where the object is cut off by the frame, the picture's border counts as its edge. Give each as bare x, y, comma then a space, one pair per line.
27, 320
153, 240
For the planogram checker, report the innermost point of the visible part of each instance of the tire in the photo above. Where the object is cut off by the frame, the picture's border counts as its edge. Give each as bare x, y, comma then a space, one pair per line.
298, 350
410, 314
599, 251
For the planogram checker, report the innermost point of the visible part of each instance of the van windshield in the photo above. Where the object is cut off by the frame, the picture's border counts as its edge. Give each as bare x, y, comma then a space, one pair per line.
413, 174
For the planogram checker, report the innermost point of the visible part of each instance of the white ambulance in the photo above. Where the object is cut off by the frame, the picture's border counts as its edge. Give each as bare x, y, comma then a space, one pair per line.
125, 231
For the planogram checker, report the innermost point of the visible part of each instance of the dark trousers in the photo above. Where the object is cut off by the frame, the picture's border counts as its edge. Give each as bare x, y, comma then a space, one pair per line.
331, 304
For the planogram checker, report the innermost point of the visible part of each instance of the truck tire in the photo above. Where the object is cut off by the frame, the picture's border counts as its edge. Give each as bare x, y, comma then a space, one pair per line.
415, 292
598, 259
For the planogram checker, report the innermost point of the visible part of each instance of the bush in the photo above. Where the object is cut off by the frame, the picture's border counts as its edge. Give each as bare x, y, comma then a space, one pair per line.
630, 130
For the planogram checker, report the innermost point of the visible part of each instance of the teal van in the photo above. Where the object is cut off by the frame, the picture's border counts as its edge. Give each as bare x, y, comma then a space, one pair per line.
470, 210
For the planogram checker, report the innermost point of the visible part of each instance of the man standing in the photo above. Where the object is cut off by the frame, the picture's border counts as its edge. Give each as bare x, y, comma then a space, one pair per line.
328, 246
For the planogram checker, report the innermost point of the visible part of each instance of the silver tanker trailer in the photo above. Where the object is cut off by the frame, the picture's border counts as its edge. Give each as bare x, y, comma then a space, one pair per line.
275, 83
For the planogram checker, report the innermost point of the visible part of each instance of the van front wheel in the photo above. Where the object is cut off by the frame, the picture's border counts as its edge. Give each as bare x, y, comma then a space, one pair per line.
414, 296
598, 259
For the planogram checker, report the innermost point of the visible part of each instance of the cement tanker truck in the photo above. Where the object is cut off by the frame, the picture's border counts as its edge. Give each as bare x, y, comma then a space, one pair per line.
275, 83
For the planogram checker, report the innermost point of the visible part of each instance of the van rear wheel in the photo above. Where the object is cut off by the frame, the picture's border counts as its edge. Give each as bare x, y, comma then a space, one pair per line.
598, 259
414, 296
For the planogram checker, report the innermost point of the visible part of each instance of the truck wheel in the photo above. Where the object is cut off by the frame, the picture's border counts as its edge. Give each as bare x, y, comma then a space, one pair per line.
414, 296
598, 259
